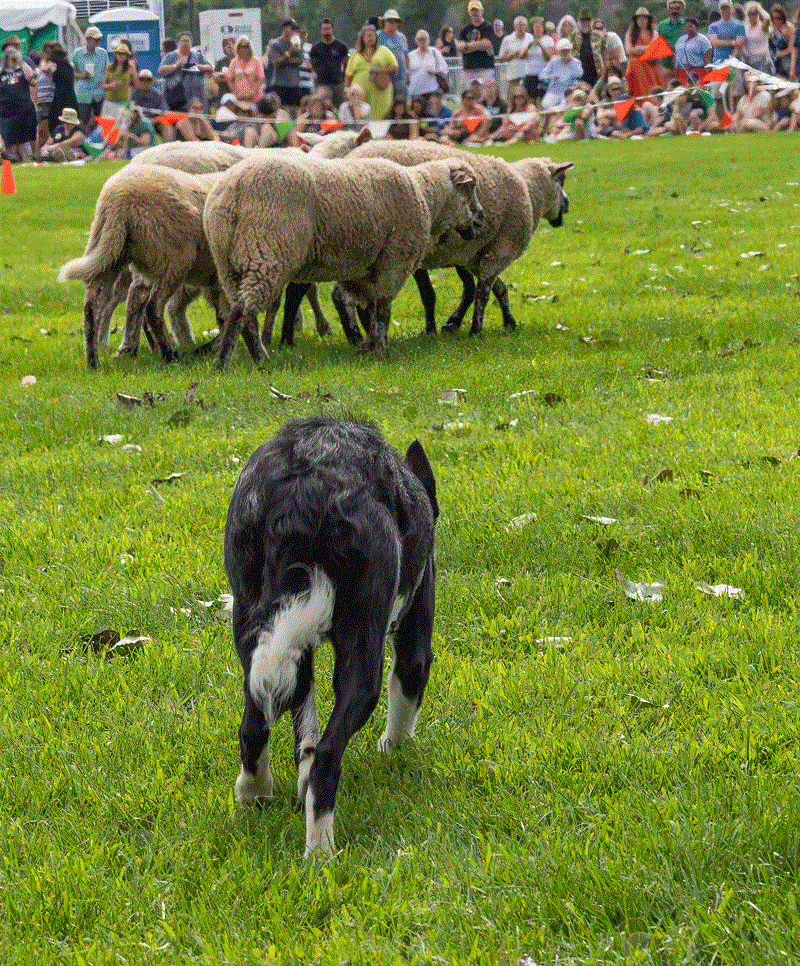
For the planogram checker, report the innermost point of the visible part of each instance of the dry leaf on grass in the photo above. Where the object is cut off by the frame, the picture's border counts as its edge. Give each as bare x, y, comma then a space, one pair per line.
168, 479
721, 590
640, 591
128, 402
662, 476
520, 522
644, 704
656, 420
450, 397
111, 438
278, 394
155, 495
604, 521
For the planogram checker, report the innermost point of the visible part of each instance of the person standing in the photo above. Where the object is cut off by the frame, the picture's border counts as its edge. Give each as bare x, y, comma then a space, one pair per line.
218, 81
513, 53
542, 48
590, 46
475, 46
245, 73
120, 76
642, 75
371, 67
693, 52
17, 113
781, 40
670, 29
727, 34
306, 70
498, 33
428, 70
396, 41
329, 60
187, 68
286, 56
757, 29
90, 63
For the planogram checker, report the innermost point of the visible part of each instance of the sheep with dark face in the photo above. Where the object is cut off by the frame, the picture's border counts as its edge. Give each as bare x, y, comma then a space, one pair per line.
365, 223
514, 198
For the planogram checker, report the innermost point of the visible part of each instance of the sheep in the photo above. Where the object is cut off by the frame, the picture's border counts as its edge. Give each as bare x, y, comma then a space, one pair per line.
514, 198
164, 242
364, 223
201, 157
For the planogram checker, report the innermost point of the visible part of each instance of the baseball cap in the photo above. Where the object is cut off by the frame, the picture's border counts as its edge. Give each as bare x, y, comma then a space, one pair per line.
391, 15
93, 32
145, 74
289, 23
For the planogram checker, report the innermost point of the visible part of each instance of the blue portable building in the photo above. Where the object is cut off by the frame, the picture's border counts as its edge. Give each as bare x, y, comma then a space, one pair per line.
141, 29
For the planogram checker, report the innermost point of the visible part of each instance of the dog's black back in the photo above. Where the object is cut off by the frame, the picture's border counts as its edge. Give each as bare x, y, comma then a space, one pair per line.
329, 531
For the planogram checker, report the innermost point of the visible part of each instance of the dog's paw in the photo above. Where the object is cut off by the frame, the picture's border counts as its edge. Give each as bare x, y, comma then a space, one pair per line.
252, 788
385, 744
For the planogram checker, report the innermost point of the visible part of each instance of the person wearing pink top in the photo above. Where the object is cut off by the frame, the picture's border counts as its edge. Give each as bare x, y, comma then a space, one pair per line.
757, 29
245, 73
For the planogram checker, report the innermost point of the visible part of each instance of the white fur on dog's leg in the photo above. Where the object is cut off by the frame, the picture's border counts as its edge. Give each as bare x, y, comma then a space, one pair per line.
401, 719
319, 831
258, 787
303, 771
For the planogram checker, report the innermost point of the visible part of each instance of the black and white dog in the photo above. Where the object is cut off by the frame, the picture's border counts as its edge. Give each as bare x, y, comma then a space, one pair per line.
329, 532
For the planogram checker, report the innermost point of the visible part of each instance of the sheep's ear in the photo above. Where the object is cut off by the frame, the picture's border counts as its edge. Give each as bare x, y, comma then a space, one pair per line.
463, 180
558, 171
364, 135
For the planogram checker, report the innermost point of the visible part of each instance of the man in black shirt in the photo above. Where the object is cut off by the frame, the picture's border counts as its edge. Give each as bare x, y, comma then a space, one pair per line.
475, 46
329, 59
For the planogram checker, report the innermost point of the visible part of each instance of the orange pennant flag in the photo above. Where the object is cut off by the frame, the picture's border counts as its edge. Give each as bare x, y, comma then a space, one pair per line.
171, 117
326, 126
109, 128
717, 74
622, 107
726, 120
471, 123
658, 48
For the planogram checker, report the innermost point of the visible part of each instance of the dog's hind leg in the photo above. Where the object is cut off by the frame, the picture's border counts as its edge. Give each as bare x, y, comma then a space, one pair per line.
411, 663
358, 634
305, 724
254, 783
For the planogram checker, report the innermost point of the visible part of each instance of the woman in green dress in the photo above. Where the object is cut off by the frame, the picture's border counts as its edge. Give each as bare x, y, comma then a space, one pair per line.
372, 67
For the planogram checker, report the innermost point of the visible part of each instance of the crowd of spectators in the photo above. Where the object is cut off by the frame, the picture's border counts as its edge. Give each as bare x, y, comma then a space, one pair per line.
574, 80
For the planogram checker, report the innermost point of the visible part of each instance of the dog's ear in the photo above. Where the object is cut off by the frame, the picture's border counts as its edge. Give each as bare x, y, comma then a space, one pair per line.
418, 463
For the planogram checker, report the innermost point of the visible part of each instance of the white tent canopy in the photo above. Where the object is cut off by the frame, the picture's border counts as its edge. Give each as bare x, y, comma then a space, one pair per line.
18, 14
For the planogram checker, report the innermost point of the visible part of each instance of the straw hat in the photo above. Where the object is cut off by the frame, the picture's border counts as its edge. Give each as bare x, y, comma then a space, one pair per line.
69, 116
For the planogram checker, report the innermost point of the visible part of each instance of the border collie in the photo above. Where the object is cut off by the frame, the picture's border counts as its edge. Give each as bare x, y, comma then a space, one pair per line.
329, 532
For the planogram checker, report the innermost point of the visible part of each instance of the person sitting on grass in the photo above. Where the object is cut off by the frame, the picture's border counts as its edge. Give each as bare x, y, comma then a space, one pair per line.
66, 143
354, 113
674, 116
577, 123
438, 115
312, 118
269, 107
522, 123
754, 109
137, 137
470, 115
406, 127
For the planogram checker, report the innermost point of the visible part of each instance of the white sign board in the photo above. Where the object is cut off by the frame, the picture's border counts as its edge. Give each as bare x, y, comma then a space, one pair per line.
216, 25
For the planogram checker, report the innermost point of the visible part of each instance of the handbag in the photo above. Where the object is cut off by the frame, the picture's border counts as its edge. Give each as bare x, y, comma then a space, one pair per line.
175, 95
441, 80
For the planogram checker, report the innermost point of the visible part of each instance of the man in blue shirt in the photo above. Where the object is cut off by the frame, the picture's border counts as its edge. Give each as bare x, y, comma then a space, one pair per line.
727, 34
395, 40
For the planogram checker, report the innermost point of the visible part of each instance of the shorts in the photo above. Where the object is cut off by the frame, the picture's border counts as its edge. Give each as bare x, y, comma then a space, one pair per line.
43, 112
287, 95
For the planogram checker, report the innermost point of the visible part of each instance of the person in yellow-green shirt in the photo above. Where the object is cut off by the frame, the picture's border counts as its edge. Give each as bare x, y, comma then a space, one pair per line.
372, 67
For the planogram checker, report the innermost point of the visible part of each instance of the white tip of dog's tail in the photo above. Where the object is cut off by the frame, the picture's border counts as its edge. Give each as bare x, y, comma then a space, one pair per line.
296, 627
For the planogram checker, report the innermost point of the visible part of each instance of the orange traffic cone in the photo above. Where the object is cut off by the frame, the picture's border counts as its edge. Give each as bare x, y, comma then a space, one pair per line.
7, 187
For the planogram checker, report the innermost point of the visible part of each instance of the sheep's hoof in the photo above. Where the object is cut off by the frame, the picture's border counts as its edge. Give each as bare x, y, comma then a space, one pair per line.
430, 328
126, 350
170, 356
451, 325
367, 345
475, 329
323, 330
509, 323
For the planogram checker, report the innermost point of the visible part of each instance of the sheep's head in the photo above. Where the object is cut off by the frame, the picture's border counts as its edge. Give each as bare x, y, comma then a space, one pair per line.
559, 202
466, 212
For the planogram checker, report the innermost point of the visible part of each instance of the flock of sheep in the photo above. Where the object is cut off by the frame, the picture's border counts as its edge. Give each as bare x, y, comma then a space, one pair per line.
240, 226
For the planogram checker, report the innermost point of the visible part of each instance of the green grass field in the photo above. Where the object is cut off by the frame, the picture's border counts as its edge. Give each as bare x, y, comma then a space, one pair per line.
628, 793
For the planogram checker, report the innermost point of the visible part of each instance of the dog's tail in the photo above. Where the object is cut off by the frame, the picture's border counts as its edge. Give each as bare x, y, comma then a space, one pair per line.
295, 627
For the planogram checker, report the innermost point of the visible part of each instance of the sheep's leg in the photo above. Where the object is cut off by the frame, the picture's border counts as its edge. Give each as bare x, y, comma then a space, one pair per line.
95, 303
481, 298
428, 296
138, 296
154, 315
294, 296
467, 296
500, 289
251, 337
323, 325
382, 318
229, 335
118, 295
178, 320
344, 306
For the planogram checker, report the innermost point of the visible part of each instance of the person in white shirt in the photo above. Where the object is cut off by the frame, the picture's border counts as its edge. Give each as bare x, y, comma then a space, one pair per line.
540, 51
514, 52
614, 44
427, 66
